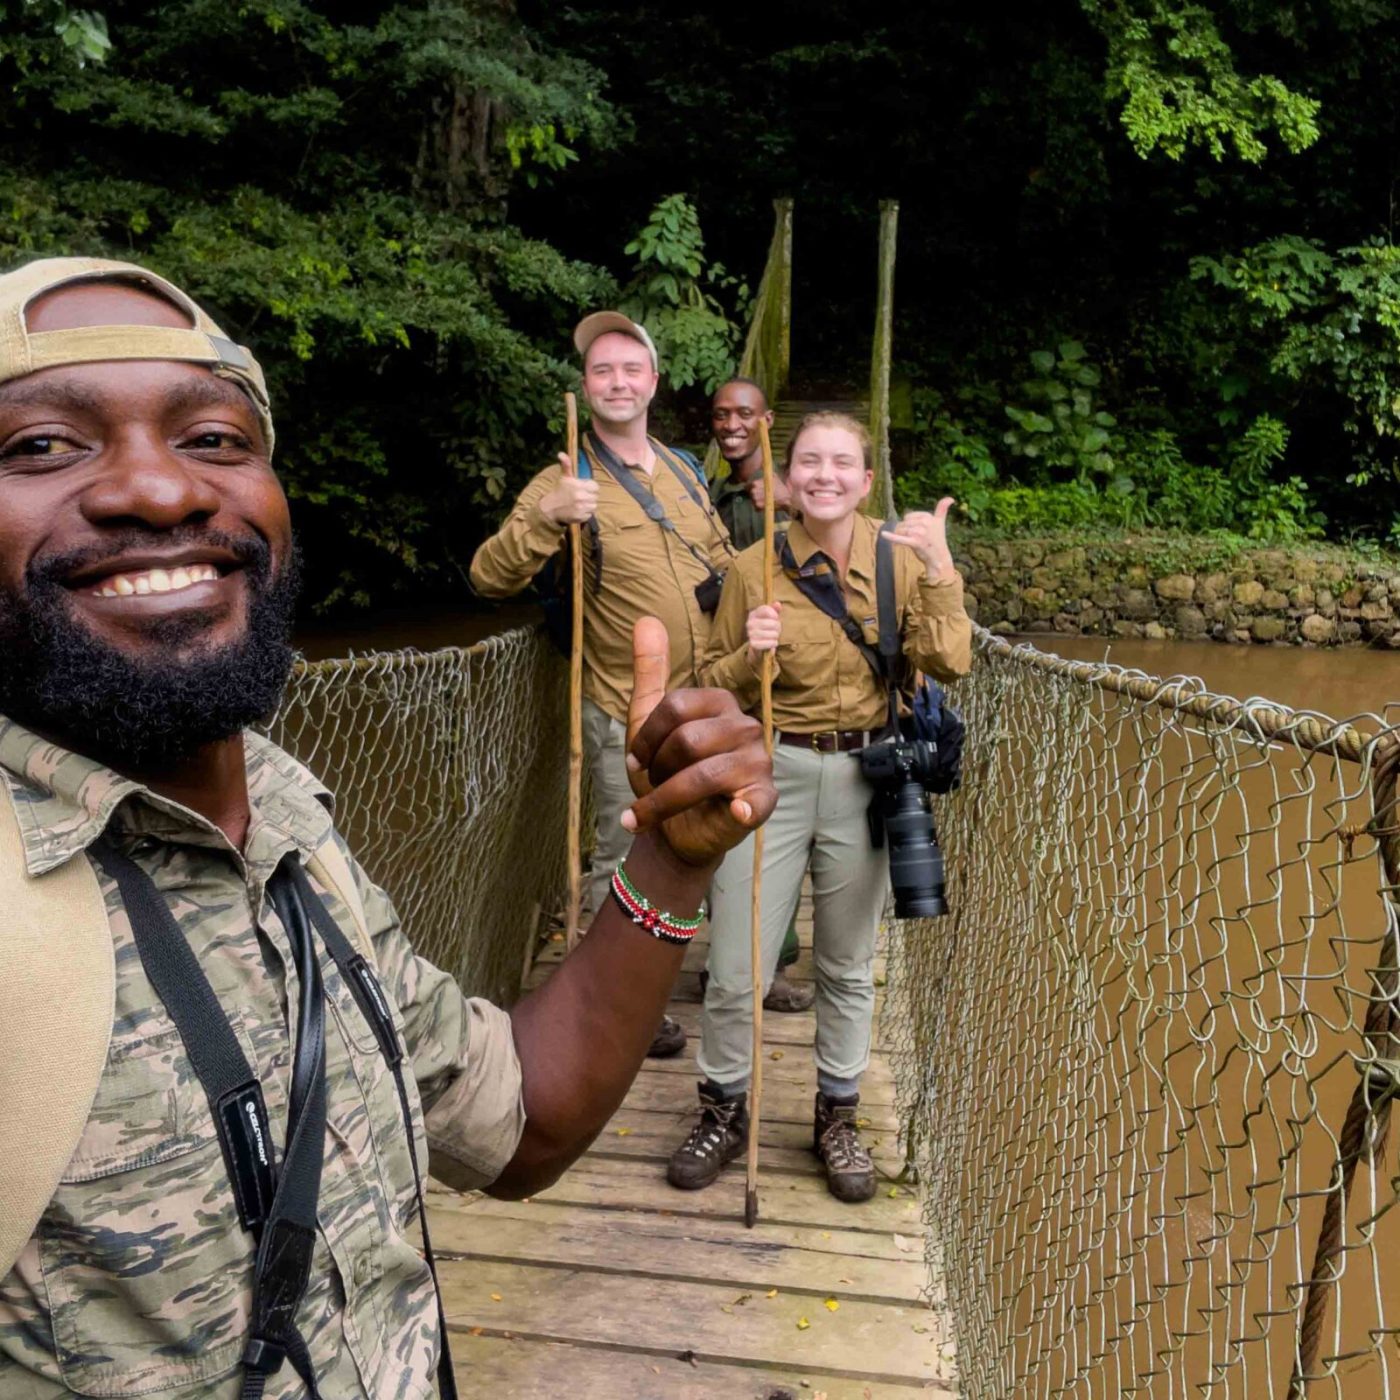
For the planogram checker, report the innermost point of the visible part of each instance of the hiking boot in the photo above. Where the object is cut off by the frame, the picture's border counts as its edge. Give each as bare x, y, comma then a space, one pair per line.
717, 1138
850, 1174
669, 1040
788, 996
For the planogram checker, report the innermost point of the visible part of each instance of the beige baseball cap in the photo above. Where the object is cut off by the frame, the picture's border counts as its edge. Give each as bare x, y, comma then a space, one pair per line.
601, 322
23, 351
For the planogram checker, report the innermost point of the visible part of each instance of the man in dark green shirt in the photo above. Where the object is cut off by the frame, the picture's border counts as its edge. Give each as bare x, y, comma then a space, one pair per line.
738, 407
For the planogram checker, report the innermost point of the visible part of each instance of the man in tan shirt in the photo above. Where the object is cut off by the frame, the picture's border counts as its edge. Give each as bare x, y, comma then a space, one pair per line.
644, 553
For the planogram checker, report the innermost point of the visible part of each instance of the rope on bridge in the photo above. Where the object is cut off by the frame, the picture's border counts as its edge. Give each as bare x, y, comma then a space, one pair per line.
1142, 1061
449, 773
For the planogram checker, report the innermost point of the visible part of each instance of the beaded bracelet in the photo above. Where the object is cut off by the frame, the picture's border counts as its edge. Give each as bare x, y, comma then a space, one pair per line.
647, 916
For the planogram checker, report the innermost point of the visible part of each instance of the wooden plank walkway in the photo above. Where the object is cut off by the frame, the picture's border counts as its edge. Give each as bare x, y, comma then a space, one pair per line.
612, 1285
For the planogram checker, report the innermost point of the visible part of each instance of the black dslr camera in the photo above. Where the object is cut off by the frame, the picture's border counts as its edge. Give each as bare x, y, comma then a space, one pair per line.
903, 771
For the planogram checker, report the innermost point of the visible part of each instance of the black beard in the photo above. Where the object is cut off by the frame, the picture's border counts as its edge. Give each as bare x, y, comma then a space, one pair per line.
60, 680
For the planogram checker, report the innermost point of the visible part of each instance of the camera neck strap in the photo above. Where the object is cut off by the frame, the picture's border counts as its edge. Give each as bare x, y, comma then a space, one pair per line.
276, 1205
818, 581
648, 500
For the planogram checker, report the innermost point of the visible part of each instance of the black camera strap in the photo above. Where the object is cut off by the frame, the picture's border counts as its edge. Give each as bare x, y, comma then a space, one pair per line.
364, 986
818, 581
277, 1207
281, 1216
887, 612
648, 500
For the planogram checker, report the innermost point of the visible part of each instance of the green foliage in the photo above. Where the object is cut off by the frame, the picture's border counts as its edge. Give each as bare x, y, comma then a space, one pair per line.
673, 293
404, 207
1063, 429
26, 24
1128, 479
1181, 87
334, 192
1330, 324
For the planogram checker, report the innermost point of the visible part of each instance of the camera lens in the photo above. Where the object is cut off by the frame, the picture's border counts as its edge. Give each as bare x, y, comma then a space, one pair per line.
916, 862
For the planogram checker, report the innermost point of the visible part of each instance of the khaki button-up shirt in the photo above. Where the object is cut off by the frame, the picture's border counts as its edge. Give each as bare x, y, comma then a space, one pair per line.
645, 569
821, 681
138, 1278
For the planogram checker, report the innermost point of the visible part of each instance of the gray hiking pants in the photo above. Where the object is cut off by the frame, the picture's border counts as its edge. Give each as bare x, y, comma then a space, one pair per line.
820, 820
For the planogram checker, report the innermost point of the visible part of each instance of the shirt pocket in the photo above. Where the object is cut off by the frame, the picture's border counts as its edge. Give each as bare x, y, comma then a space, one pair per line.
375, 1136
806, 641
147, 1267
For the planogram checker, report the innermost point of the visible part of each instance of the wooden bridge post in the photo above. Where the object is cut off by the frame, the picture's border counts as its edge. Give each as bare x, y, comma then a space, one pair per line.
781, 331
881, 499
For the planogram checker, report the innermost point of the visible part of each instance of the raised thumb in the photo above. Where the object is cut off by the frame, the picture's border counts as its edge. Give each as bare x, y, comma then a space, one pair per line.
651, 669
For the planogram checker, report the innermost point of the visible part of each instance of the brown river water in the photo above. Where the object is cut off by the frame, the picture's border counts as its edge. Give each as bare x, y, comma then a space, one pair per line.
1340, 682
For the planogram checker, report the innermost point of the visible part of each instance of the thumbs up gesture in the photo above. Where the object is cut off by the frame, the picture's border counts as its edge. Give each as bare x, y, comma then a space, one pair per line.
696, 761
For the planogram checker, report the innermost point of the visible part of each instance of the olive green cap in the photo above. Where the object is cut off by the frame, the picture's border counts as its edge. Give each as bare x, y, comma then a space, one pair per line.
23, 351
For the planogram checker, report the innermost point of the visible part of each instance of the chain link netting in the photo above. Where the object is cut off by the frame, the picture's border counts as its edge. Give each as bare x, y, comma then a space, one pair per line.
1145, 1064
450, 774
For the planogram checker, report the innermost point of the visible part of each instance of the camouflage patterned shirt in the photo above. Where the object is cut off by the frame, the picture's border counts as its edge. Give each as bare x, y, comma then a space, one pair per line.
138, 1279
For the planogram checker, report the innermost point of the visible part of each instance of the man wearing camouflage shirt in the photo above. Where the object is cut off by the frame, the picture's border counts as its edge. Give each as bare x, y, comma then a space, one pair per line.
147, 573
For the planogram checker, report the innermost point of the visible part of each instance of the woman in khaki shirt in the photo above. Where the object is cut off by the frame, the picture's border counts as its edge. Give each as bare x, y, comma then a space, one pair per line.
827, 704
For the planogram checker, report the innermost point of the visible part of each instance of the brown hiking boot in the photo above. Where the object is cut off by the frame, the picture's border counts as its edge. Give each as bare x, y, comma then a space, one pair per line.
669, 1040
788, 996
716, 1139
850, 1174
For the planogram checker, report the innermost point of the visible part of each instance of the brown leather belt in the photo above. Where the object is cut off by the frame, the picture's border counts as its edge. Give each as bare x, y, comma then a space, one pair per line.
829, 740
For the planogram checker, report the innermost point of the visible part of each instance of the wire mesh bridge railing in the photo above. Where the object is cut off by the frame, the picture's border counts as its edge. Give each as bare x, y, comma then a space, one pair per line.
1146, 1065
450, 775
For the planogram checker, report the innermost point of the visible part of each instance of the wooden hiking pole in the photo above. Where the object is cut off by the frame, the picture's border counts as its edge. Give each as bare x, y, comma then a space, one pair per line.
756, 897
575, 814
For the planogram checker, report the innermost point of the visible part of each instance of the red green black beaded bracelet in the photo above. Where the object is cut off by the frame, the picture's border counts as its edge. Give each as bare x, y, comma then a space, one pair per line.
647, 916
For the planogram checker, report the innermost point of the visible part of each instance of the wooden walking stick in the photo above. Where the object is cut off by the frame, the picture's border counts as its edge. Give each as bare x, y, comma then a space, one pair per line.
756, 898
575, 813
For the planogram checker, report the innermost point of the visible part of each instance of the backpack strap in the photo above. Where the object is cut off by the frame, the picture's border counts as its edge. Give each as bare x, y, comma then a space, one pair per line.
887, 610
57, 1000
699, 489
329, 865
886, 603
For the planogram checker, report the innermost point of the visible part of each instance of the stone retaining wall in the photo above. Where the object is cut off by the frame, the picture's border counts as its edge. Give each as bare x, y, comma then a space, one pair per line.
1146, 587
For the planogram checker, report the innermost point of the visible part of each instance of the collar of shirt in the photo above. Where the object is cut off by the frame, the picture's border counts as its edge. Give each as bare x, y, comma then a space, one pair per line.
64, 801
862, 560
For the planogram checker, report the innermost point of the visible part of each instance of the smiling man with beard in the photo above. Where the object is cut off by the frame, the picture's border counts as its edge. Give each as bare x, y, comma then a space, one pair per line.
231, 1203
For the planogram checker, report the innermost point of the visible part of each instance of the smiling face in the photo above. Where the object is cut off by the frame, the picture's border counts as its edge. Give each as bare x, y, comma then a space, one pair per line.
618, 380
827, 474
146, 556
734, 417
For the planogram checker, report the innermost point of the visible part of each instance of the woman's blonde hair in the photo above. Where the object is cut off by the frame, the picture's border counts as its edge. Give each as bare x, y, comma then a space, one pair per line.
827, 418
